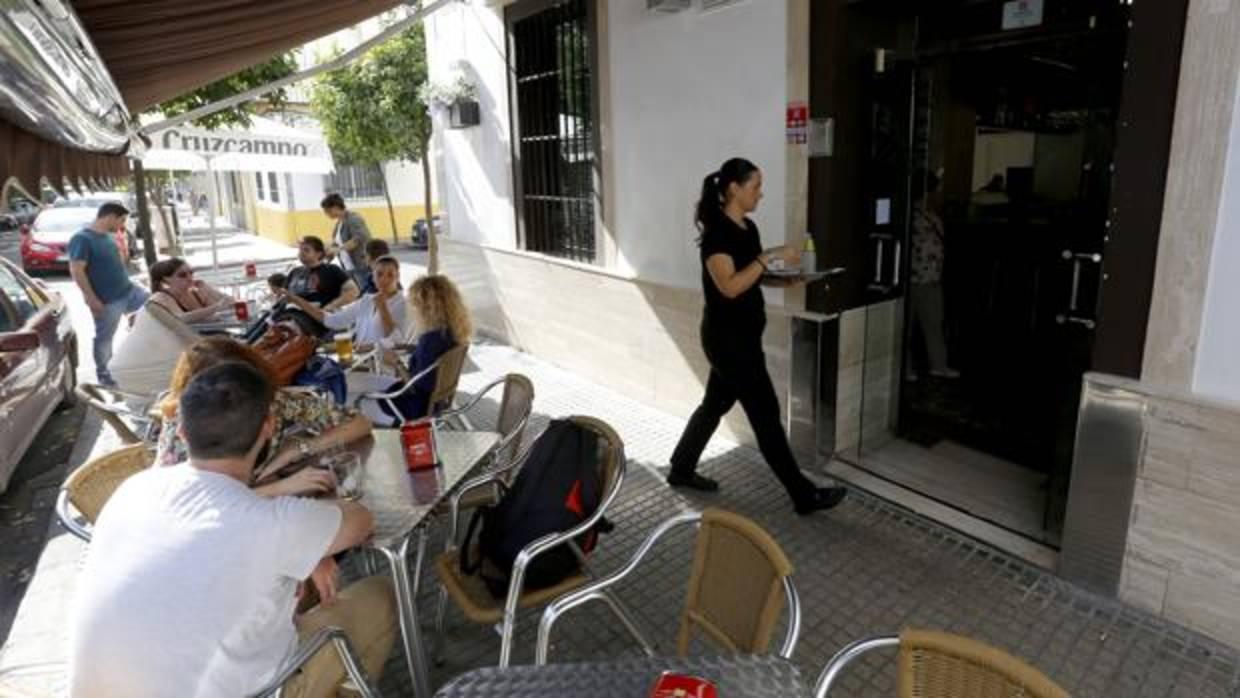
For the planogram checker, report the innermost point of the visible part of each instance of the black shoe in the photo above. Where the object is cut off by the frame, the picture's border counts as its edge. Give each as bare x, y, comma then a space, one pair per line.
692, 481
822, 499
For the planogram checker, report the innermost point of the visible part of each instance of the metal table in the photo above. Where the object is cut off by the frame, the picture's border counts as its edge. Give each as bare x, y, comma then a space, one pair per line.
402, 502
753, 676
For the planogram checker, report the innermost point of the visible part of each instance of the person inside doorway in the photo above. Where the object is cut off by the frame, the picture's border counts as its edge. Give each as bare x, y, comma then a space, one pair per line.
96, 267
926, 274
191, 582
732, 267
349, 238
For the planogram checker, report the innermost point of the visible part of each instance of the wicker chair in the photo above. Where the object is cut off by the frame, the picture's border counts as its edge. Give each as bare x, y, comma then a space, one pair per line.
113, 405
448, 375
515, 406
740, 581
941, 665
89, 487
470, 594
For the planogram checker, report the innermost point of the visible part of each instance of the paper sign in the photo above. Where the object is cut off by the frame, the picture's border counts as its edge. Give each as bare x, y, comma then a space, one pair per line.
882, 212
1021, 14
798, 123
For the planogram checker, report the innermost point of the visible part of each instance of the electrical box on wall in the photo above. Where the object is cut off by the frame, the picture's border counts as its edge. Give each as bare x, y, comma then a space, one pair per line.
667, 5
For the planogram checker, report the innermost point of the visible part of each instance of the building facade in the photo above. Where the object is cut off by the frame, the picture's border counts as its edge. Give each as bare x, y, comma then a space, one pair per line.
1033, 203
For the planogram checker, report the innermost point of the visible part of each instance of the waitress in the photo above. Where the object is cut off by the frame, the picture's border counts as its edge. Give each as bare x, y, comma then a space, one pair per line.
732, 266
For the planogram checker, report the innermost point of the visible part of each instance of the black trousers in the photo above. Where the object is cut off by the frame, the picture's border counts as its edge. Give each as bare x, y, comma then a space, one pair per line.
738, 374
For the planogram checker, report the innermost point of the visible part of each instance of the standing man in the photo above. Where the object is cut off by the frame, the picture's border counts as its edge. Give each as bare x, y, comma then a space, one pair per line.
96, 267
349, 238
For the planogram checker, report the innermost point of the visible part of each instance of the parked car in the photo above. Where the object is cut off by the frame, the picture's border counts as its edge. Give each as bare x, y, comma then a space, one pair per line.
44, 245
38, 362
96, 199
420, 237
23, 209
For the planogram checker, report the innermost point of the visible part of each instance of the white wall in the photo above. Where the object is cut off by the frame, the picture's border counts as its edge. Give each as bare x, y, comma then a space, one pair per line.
1217, 370
475, 182
688, 91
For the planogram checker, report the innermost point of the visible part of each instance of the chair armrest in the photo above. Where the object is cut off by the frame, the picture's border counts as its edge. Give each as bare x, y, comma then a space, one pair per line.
446, 414
487, 478
595, 589
307, 651
67, 519
397, 393
836, 665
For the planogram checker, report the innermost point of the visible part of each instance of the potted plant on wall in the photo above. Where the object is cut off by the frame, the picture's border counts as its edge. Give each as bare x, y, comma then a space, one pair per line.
459, 96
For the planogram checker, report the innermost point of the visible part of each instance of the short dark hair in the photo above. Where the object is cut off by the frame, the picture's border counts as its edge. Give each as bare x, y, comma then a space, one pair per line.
332, 201
376, 248
389, 261
161, 270
112, 208
223, 408
278, 279
315, 243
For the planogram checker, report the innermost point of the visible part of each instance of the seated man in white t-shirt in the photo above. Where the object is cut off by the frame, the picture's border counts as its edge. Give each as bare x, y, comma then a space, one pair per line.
190, 584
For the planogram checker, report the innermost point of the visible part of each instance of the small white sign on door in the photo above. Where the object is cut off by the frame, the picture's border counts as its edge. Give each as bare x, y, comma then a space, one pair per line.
1020, 14
882, 212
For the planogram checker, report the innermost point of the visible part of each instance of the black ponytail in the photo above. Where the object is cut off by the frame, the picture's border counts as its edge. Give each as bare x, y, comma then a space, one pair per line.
714, 191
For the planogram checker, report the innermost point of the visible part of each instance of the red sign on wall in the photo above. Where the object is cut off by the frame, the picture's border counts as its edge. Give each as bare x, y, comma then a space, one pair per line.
798, 123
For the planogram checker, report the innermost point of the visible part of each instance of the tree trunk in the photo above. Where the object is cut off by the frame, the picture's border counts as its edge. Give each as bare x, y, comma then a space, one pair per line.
432, 235
144, 214
391, 211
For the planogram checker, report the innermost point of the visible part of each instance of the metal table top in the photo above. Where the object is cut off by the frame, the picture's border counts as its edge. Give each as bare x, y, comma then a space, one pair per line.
400, 500
751, 676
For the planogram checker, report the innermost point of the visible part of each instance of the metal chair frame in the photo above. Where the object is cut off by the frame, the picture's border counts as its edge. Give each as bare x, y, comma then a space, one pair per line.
307, 651
845, 657
115, 413
600, 590
408, 385
537, 547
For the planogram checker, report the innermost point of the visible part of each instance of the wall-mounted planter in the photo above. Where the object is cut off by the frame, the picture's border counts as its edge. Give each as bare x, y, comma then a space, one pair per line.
464, 113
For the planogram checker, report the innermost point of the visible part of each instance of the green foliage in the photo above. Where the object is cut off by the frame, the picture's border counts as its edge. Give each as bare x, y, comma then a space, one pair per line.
238, 116
370, 110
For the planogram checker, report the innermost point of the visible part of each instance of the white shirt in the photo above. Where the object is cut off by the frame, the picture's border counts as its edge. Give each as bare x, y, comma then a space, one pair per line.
147, 355
188, 588
362, 317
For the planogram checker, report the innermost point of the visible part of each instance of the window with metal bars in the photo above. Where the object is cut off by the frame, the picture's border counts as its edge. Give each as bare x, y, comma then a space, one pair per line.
551, 50
356, 181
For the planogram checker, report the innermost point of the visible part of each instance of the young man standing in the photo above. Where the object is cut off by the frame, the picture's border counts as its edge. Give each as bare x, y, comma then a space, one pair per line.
97, 269
190, 584
349, 237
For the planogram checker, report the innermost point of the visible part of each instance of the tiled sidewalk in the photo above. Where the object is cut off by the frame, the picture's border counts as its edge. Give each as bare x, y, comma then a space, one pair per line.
865, 568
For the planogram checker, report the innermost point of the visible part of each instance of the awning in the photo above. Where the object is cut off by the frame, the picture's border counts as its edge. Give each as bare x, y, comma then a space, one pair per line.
158, 49
268, 146
153, 50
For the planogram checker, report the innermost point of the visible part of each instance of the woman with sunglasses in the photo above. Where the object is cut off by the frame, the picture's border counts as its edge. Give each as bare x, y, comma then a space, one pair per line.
174, 288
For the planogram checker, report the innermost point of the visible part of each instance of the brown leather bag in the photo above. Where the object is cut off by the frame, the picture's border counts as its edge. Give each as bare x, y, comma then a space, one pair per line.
287, 349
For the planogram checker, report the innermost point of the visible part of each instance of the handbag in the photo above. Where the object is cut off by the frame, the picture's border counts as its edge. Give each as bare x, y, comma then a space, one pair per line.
286, 349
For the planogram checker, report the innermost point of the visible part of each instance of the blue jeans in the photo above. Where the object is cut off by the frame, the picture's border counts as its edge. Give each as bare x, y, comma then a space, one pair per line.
106, 323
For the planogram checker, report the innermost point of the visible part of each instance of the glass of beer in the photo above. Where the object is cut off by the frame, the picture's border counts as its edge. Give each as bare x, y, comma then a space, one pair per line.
344, 347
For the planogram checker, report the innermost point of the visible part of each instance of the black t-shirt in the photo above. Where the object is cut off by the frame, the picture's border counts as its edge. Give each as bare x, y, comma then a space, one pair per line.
743, 317
319, 285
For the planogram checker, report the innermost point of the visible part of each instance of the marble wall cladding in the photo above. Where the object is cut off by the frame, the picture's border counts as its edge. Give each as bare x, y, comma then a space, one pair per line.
637, 338
1183, 551
869, 375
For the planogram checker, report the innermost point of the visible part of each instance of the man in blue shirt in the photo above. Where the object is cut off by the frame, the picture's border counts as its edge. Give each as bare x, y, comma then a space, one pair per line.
97, 269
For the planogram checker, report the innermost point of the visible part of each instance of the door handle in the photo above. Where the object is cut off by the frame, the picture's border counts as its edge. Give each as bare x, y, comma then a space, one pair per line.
1078, 259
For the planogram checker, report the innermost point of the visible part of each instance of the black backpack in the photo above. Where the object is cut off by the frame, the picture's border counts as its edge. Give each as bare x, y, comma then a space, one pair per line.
558, 488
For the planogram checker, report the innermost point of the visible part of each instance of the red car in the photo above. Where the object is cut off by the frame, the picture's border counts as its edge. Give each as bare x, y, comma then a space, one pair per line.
38, 362
45, 244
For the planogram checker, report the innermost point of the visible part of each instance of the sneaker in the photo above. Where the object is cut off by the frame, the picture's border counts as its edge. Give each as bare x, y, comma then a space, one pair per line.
822, 499
692, 481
